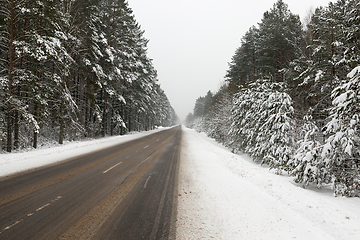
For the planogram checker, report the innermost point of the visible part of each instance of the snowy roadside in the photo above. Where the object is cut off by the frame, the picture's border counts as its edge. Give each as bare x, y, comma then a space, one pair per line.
11, 163
227, 196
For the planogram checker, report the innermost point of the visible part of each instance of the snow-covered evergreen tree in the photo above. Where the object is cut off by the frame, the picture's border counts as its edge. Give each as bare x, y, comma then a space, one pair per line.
279, 39
341, 152
307, 165
331, 52
244, 67
275, 139
263, 124
218, 119
244, 129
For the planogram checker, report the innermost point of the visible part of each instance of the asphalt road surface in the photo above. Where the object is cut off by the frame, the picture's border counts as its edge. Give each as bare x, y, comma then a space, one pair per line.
123, 192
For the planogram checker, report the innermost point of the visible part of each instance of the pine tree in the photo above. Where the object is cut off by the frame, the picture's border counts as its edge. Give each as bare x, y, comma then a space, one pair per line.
341, 151
279, 41
244, 66
331, 54
202, 104
244, 130
307, 165
218, 118
269, 139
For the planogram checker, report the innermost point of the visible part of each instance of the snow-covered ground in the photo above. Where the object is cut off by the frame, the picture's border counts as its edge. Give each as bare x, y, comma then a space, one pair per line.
11, 163
227, 196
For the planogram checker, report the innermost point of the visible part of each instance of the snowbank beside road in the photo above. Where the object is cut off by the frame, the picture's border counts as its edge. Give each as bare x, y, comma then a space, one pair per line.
11, 163
227, 196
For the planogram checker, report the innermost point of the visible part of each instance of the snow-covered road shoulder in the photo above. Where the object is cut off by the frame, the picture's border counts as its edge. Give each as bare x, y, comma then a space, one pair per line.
11, 163
227, 196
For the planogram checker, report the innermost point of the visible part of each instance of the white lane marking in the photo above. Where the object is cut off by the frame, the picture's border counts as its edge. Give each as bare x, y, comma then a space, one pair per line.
146, 146
56, 199
112, 167
30, 214
41, 208
157, 140
10, 226
146, 182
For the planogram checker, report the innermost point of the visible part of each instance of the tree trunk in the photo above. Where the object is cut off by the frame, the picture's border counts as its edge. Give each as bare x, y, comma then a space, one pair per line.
122, 129
146, 123
62, 125
332, 55
86, 120
35, 140
9, 129
11, 68
16, 130
112, 123
129, 120
17, 114
104, 123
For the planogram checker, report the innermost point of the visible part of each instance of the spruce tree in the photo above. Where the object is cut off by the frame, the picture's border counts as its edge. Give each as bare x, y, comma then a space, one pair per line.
279, 41
341, 151
244, 66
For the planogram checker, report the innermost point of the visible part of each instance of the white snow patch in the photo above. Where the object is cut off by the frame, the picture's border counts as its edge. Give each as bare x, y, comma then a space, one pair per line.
227, 196
319, 75
354, 72
341, 99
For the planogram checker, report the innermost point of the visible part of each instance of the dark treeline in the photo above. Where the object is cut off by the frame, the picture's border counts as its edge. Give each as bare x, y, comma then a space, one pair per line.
291, 98
74, 68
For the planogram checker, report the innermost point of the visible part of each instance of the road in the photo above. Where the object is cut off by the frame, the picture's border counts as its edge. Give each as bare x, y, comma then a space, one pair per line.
122, 192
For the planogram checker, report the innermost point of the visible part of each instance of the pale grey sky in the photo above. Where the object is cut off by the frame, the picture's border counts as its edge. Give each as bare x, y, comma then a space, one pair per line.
192, 41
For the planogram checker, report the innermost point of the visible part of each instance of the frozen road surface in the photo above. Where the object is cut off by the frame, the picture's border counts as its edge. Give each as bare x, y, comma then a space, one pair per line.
127, 191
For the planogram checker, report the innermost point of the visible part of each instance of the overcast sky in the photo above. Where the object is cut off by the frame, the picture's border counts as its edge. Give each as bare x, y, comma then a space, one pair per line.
192, 41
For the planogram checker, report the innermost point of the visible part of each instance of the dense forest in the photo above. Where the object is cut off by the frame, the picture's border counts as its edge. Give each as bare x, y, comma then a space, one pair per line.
291, 96
71, 69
